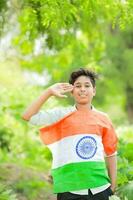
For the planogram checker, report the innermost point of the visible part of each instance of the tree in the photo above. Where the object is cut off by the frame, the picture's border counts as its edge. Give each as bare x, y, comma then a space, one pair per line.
120, 53
3, 8
72, 33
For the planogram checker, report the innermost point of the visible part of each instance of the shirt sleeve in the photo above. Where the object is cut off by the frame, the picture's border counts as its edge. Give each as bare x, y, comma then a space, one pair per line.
109, 140
49, 116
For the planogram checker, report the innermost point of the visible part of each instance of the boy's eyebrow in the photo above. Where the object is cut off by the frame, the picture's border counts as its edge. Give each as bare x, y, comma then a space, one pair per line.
81, 83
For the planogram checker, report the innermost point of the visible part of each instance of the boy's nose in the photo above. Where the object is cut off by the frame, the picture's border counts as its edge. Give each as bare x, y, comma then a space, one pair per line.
82, 88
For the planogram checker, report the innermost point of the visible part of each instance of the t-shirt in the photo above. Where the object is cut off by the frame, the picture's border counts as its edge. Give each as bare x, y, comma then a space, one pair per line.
98, 124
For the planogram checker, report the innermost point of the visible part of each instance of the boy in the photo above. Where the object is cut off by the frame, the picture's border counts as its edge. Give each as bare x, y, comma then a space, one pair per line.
81, 139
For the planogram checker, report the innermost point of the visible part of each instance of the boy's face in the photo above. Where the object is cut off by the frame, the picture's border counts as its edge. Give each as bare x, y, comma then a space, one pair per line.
83, 90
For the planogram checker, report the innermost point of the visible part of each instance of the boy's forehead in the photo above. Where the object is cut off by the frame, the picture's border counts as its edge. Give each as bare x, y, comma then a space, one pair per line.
83, 79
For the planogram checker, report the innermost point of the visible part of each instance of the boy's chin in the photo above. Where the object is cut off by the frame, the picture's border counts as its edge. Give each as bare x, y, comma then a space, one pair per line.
83, 102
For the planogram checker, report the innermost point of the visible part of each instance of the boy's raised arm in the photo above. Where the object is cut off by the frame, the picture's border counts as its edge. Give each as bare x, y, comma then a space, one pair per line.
57, 89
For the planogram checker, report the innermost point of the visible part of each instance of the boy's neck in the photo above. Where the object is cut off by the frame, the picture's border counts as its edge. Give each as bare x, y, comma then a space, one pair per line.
83, 107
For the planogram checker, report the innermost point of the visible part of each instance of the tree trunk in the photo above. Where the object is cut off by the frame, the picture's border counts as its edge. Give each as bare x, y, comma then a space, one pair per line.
129, 102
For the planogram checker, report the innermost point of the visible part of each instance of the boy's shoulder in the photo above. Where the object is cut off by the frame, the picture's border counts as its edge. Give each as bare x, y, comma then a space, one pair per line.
102, 115
99, 112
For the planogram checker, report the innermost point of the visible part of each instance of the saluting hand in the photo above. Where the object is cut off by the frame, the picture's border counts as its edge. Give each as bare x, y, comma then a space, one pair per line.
59, 89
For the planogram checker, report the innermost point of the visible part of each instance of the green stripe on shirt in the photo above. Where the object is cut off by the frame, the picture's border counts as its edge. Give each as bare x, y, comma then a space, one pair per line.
78, 176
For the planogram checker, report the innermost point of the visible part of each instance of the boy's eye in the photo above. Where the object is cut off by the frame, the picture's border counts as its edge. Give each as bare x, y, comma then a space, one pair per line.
78, 86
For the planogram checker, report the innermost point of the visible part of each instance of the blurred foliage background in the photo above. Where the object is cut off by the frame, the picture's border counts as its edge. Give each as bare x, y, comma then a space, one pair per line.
41, 42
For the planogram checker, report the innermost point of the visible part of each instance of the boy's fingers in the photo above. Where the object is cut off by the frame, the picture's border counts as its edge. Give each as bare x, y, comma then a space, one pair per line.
68, 90
68, 87
65, 84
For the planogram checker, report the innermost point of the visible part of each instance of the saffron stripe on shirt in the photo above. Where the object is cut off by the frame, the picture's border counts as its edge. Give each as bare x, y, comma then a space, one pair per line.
67, 127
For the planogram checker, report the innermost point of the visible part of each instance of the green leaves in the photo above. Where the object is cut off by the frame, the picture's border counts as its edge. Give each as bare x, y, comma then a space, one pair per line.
6, 193
49, 17
126, 191
125, 163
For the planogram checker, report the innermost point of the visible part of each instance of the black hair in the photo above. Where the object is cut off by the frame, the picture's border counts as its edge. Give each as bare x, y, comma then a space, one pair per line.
83, 72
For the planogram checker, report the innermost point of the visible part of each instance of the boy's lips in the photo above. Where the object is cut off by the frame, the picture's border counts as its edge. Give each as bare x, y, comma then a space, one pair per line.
82, 95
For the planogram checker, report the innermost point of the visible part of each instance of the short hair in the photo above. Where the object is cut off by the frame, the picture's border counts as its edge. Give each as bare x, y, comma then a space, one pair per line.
83, 72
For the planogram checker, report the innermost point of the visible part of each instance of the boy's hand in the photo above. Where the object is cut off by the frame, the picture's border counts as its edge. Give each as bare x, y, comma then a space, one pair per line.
59, 89
112, 188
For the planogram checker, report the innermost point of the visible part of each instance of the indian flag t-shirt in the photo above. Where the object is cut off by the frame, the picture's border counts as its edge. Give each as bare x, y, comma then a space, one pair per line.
78, 143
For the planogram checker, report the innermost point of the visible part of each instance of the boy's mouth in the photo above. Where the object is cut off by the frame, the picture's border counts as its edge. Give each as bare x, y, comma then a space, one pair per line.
82, 95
